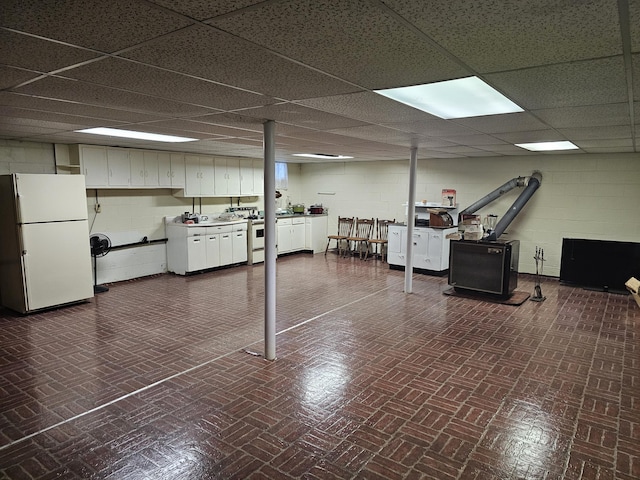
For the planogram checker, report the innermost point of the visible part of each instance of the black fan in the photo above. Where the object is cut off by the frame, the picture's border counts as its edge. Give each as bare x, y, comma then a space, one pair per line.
100, 246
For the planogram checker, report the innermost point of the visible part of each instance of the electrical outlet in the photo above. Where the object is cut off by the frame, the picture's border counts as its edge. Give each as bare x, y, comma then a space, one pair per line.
97, 207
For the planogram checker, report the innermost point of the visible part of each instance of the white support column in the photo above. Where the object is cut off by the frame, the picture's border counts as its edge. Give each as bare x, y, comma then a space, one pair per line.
411, 212
269, 240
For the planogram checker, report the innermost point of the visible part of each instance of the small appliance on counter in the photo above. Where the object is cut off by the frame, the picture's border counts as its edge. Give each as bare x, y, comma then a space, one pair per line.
190, 218
316, 209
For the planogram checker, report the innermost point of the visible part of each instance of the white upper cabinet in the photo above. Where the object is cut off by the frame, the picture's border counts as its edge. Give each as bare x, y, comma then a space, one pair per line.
246, 177
177, 170
164, 170
227, 176
93, 164
199, 176
144, 168
188, 174
119, 171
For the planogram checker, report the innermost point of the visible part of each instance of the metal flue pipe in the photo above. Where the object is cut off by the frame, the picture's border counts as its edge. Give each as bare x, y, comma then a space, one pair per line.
490, 197
523, 198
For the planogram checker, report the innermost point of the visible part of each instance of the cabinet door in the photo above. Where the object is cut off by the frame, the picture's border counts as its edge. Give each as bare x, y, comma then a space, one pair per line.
151, 169
297, 237
220, 180
207, 176
119, 167
246, 177
233, 176
258, 177
94, 167
164, 169
239, 241
177, 170
196, 253
226, 248
213, 251
192, 175
284, 238
136, 159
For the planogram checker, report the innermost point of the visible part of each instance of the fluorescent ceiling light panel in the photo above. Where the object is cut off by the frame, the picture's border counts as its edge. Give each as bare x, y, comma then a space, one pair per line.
460, 98
155, 137
547, 146
321, 155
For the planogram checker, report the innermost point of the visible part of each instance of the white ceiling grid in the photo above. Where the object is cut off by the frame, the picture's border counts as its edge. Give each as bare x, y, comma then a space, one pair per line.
216, 71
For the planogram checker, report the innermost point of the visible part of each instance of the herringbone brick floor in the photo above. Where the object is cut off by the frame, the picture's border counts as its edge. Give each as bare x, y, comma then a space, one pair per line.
156, 379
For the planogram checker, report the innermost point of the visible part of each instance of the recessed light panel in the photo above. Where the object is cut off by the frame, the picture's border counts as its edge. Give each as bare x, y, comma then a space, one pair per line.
460, 98
155, 137
547, 146
321, 155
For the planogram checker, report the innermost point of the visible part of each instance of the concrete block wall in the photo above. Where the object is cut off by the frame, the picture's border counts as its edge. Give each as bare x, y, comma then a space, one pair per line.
595, 196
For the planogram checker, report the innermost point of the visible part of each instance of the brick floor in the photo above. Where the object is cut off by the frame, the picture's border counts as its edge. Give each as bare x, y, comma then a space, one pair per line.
152, 380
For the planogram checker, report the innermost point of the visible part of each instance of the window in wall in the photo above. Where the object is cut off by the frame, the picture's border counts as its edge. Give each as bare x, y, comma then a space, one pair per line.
282, 176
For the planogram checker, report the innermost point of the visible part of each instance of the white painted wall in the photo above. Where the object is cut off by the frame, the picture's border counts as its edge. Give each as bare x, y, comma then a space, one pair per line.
595, 196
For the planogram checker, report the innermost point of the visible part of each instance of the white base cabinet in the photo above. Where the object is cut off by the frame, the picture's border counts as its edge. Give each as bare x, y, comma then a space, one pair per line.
315, 233
195, 248
291, 234
430, 247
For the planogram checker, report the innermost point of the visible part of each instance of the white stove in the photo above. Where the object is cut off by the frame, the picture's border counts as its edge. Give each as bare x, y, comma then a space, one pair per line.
255, 243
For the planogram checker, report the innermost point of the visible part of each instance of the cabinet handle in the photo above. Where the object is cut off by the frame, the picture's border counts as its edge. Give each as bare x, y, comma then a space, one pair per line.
110, 173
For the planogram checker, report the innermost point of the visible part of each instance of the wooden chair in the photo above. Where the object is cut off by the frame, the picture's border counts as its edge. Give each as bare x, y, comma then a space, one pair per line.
345, 227
361, 235
381, 238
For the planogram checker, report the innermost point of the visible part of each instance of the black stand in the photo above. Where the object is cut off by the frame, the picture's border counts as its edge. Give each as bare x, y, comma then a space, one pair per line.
97, 288
539, 258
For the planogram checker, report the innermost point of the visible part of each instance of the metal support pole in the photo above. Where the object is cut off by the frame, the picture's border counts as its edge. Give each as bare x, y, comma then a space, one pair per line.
411, 212
269, 240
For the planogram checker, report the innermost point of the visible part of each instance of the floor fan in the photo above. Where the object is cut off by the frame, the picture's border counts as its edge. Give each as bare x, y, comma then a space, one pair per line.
100, 246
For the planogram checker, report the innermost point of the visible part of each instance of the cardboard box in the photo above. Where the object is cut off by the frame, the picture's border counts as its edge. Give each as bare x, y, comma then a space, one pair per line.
633, 285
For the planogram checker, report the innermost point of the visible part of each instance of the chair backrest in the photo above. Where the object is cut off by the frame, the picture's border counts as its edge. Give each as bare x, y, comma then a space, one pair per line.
383, 228
364, 228
345, 226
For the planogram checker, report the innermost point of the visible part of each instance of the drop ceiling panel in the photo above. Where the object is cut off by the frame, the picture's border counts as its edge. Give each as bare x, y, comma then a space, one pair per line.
511, 122
10, 77
634, 24
604, 132
496, 35
105, 26
472, 140
73, 108
381, 134
205, 9
81, 92
433, 127
205, 52
531, 136
302, 116
367, 107
376, 50
587, 143
18, 50
21, 113
201, 127
590, 82
587, 116
132, 76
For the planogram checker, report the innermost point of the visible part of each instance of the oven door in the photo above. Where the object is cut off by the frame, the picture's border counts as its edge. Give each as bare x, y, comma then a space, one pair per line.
257, 236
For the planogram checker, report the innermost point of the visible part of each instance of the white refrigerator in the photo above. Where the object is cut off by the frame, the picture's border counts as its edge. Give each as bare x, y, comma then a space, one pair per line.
45, 257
